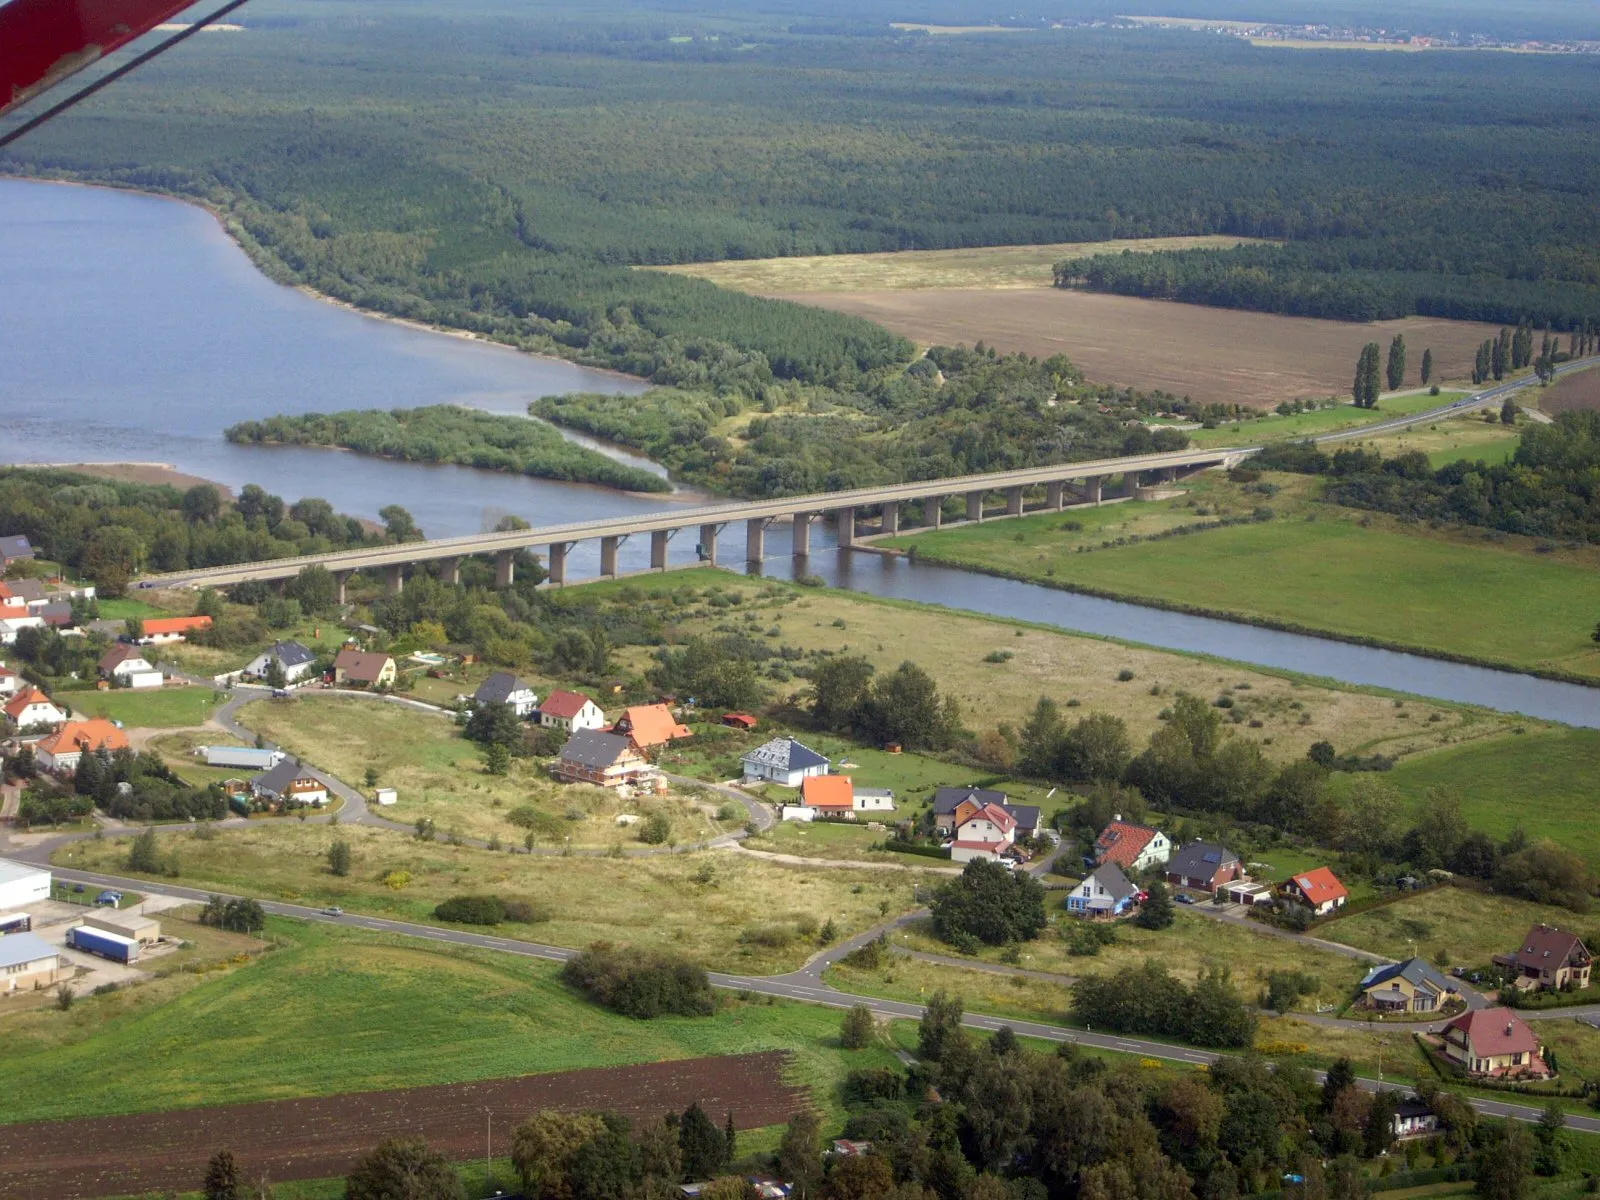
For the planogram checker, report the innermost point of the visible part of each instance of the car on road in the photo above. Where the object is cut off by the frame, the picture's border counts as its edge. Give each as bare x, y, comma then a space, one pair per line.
333, 910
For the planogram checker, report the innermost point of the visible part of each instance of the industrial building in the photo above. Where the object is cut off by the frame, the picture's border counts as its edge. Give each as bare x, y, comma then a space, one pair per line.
246, 758
28, 962
144, 930
22, 885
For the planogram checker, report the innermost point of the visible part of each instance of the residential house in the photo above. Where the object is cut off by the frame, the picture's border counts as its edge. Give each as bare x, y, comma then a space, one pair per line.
63, 750
982, 833
1414, 1119
28, 962
869, 800
170, 629
10, 681
607, 759
125, 666
15, 547
13, 625
505, 688
1495, 1042
570, 711
363, 668
1318, 890
1549, 958
947, 801
29, 593
829, 796
783, 761
649, 726
289, 783
1106, 892
295, 659
1412, 986
1132, 846
1203, 867
32, 709
57, 614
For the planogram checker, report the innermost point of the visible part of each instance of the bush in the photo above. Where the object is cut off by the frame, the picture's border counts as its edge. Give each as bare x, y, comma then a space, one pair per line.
872, 1084
472, 910
855, 1032
989, 904
526, 912
641, 983
655, 829
774, 937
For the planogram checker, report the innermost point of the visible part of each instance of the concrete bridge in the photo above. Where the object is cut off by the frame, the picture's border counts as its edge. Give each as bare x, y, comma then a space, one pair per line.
1088, 480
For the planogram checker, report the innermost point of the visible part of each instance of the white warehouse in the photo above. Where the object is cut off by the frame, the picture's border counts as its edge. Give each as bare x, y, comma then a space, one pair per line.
22, 885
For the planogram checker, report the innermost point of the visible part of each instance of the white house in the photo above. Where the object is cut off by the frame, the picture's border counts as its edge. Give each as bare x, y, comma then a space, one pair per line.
30, 708
10, 681
873, 800
125, 666
570, 711
1107, 892
296, 660
986, 834
505, 688
11, 626
783, 761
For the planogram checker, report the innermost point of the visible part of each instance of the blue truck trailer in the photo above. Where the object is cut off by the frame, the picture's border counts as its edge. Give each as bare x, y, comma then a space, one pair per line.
107, 945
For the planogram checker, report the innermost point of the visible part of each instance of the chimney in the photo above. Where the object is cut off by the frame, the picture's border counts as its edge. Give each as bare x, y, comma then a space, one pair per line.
1509, 1028
1116, 816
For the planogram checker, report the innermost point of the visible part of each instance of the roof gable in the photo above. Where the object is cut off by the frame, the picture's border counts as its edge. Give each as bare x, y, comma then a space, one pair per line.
564, 705
1123, 841
361, 665
1320, 886
1492, 1032
651, 725
290, 654
828, 791
1546, 947
1200, 860
282, 776
947, 799
1109, 876
499, 688
785, 754
85, 736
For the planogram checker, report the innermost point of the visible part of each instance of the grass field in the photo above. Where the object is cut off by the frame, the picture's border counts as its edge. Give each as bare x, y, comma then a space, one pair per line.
1317, 568
124, 607
982, 267
1543, 781
1464, 437
439, 774
1216, 355
700, 905
177, 750
335, 1011
1463, 927
953, 647
1276, 428
157, 708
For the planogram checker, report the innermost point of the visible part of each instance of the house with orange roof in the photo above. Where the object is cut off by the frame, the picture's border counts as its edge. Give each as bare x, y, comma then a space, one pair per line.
63, 750
985, 832
570, 711
829, 796
32, 709
1319, 890
170, 629
1132, 846
650, 725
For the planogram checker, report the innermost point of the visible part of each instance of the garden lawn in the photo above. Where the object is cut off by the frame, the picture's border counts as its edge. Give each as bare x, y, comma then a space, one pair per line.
1543, 781
156, 708
1330, 574
835, 840
1449, 926
336, 1011
124, 607
699, 905
438, 774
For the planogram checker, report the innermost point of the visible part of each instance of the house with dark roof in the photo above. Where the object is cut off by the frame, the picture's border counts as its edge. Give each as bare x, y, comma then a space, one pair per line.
605, 759
15, 547
1549, 958
295, 659
1131, 846
1413, 986
505, 688
783, 761
1203, 867
126, 666
289, 783
1494, 1042
1318, 890
570, 711
948, 802
1105, 892
1414, 1118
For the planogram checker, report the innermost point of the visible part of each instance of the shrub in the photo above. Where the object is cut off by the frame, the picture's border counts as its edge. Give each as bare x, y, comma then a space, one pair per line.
774, 937
641, 983
871, 1084
1125, 675
855, 1032
655, 829
472, 910
526, 912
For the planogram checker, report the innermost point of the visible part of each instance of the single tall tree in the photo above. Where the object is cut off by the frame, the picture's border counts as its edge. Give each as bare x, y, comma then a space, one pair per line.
222, 1178
1365, 389
1427, 367
403, 1167
1397, 363
339, 857
1157, 911
800, 1155
702, 1144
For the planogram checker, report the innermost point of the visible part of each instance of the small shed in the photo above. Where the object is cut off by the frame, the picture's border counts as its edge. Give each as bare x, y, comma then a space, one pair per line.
739, 720
144, 930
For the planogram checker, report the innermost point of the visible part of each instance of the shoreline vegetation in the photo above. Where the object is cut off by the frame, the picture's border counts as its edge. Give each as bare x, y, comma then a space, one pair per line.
446, 433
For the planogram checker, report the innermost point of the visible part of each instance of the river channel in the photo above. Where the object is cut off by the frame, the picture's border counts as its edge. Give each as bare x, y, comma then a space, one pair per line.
135, 330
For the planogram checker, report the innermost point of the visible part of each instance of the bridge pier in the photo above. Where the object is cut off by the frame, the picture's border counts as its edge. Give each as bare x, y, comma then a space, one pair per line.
708, 544
974, 506
891, 519
845, 522
932, 512
1094, 488
1130, 483
340, 578
608, 555
1055, 495
558, 562
1014, 502
397, 578
505, 568
1169, 474
802, 534
755, 539
658, 548
450, 571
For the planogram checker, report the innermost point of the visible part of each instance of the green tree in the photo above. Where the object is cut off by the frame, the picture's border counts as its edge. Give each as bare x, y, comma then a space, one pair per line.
905, 707
1396, 370
1427, 367
1504, 1163
1039, 739
275, 677
398, 525
989, 904
222, 1177
316, 589
370, 777
339, 857
403, 1169
940, 1026
134, 627
201, 504
1096, 749
730, 1138
800, 1155
1508, 411
1551, 1142
544, 1146
702, 1146
1158, 911
1366, 387
494, 723
497, 758
855, 1032
144, 855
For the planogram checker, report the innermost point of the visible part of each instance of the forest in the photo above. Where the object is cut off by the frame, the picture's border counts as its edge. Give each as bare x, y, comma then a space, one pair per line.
500, 170
444, 433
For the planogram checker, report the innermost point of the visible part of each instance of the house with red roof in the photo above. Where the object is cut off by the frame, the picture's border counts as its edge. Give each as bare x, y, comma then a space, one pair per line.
985, 832
170, 629
1131, 846
1549, 958
62, 751
570, 711
1496, 1042
1318, 890
32, 709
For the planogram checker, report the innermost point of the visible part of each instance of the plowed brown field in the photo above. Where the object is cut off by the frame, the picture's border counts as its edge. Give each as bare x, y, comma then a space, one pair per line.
1209, 354
1575, 391
324, 1136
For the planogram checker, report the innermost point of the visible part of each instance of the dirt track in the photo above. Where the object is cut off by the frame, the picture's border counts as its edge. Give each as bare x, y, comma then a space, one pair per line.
1209, 354
323, 1136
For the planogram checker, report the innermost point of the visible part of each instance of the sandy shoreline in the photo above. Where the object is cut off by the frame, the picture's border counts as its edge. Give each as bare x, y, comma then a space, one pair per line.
131, 472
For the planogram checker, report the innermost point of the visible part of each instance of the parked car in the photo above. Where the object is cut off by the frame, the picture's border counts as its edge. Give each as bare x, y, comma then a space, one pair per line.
1184, 898
108, 899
